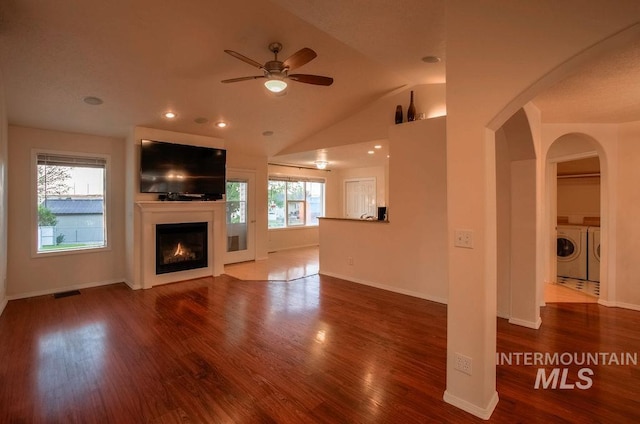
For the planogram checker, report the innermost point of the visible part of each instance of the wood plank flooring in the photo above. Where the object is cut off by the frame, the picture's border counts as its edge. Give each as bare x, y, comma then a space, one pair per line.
283, 265
315, 350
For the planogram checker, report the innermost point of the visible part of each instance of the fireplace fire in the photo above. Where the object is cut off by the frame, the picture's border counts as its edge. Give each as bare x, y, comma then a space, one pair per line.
180, 247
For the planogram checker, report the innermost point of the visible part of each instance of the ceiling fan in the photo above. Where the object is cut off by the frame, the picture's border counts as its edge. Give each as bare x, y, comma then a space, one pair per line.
277, 72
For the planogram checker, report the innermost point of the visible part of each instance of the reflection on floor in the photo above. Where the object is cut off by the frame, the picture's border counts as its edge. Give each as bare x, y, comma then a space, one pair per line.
564, 293
285, 265
288, 265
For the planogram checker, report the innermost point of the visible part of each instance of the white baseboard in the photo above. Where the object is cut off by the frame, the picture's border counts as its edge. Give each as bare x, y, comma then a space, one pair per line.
528, 324
64, 289
131, 285
624, 305
3, 304
484, 413
302, 246
387, 287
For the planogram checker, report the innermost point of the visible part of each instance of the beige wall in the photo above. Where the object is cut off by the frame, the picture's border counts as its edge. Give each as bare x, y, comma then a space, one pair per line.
529, 48
627, 240
3, 199
27, 275
408, 254
578, 198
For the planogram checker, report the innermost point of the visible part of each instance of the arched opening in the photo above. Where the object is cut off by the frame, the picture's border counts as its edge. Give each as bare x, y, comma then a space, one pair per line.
516, 174
577, 217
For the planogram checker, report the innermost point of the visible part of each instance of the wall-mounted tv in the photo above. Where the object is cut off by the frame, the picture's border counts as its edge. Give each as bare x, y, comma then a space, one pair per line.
181, 169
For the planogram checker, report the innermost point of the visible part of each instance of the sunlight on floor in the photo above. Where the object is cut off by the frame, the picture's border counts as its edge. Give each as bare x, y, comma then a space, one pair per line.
285, 265
555, 293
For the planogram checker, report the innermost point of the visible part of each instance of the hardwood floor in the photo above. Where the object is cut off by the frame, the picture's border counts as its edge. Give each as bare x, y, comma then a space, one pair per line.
554, 293
315, 350
284, 265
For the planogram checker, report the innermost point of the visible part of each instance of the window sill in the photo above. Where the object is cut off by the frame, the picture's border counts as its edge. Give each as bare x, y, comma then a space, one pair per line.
78, 251
302, 227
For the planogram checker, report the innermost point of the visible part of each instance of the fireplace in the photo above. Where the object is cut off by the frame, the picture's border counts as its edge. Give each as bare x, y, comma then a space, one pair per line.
180, 247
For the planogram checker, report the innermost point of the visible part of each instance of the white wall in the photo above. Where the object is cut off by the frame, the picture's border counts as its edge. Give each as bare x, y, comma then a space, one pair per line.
500, 54
373, 120
618, 147
4, 150
627, 211
29, 276
408, 253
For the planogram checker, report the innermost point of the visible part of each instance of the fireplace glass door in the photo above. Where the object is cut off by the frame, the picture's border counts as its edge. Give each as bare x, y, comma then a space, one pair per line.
180, 247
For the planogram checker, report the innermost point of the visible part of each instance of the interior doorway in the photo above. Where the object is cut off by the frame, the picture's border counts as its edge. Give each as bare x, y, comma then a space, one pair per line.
578, 230
240, 220
576, 210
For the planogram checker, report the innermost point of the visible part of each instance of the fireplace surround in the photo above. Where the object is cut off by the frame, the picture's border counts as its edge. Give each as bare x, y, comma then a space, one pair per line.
150, 214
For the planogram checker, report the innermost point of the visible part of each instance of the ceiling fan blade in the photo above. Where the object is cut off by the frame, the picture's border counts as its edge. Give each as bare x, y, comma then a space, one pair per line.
299, 58
312, 79
243, 79
245, 59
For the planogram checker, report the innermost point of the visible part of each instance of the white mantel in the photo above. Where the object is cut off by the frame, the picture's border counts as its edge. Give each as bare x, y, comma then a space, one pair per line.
153, 213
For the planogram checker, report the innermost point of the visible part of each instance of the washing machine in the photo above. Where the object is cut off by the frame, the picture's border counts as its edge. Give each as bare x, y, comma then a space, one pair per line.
572, 251
593, 258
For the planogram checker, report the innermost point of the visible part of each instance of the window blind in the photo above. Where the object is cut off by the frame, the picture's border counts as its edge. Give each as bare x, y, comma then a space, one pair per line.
65, 160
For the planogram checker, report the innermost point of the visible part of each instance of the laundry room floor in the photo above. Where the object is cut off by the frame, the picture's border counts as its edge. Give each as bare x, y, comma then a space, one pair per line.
571, 291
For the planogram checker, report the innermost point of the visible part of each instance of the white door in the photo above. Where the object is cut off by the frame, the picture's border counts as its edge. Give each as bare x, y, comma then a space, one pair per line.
360, 198
240, 216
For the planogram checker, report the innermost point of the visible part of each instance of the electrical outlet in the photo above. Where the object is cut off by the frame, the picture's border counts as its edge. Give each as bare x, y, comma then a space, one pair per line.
463, 363
463, 238
350, 260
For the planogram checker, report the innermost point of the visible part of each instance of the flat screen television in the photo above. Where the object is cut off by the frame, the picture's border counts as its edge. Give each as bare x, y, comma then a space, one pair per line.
181, 169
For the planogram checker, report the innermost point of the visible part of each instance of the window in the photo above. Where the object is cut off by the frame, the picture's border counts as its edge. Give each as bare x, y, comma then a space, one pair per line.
71, 202
295, 202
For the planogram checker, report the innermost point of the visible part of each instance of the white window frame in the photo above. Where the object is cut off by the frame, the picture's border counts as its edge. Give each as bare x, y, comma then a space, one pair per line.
34, 204
294, 179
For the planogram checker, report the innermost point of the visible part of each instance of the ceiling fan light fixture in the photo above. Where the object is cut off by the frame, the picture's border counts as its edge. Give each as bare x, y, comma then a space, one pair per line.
275, 85
321, 164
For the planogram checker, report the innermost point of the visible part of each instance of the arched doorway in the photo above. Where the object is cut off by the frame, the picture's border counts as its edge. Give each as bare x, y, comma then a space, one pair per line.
517, 222
573, 148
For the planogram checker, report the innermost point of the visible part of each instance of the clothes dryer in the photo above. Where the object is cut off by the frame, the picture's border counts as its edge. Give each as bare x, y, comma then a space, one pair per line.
572, 251
593, 257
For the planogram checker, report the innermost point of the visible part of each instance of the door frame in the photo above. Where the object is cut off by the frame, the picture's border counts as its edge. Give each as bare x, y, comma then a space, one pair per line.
249, 254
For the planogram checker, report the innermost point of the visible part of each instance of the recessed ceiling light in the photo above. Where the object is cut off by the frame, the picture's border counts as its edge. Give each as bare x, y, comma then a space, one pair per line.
201, 120
371, 152
221, 124
377, 146
169, 115
267, 133
431, 59
93, 101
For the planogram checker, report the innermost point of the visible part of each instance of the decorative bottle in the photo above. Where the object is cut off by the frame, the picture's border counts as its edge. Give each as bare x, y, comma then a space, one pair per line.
411, 112
399, 114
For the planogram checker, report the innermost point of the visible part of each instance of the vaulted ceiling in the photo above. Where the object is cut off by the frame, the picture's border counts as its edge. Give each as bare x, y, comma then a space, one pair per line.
146, 57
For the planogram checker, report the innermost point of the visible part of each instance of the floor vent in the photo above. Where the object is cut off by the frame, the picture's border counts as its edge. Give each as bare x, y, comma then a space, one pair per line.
66, 294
